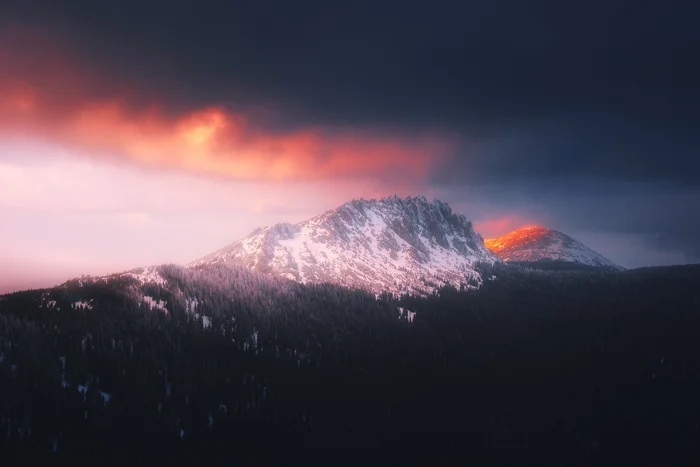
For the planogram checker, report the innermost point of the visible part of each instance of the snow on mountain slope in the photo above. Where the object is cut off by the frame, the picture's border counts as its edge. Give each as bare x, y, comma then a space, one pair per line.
148, 275
537, 243
392, 244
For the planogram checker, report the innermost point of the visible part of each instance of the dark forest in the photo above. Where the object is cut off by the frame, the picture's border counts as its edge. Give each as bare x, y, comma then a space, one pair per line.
547, 366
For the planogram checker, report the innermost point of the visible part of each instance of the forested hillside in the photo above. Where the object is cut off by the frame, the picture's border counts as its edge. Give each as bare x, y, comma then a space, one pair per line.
223, 365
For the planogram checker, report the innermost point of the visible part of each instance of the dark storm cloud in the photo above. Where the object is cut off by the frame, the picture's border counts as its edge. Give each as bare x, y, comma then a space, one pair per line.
607, 148
444, 62
664, 216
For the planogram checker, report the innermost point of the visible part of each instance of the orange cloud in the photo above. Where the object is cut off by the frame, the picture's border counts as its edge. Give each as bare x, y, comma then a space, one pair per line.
53, 96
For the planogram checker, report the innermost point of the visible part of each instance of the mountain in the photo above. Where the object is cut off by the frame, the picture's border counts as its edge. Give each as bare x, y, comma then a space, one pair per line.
391, 244
193, 294
534, 244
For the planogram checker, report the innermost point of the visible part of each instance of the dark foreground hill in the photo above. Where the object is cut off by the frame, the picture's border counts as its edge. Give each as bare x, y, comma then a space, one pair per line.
225, 366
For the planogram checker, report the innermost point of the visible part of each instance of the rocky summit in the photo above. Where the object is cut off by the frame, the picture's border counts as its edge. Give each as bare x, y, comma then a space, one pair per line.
392, 244
535, 243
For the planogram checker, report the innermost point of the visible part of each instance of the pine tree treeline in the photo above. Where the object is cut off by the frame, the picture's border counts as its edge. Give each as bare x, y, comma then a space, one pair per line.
573, 367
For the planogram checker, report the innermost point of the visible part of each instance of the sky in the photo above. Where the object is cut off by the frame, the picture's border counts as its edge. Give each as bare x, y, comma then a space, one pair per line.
143, 132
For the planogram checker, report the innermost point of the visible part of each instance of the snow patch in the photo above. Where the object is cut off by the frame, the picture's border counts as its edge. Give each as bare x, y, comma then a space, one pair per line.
206, 320
153, 303
191, 304
147, 275
82, 305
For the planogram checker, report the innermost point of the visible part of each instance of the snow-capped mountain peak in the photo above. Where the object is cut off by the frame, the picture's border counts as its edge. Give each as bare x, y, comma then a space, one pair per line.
390, 244
535, 243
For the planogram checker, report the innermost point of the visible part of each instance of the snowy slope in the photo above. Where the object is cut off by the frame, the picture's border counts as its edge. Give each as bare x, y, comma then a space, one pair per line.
392, 244
150, 276
147, 275
537, 243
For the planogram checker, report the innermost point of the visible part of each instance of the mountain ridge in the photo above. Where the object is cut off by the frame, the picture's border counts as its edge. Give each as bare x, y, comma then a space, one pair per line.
535, 243
390, 244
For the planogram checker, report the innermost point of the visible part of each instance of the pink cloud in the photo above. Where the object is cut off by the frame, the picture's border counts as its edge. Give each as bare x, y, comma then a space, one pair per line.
48, 94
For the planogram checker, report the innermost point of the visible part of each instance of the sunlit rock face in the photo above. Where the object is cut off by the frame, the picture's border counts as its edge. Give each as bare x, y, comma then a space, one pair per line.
537, 243
391, 244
